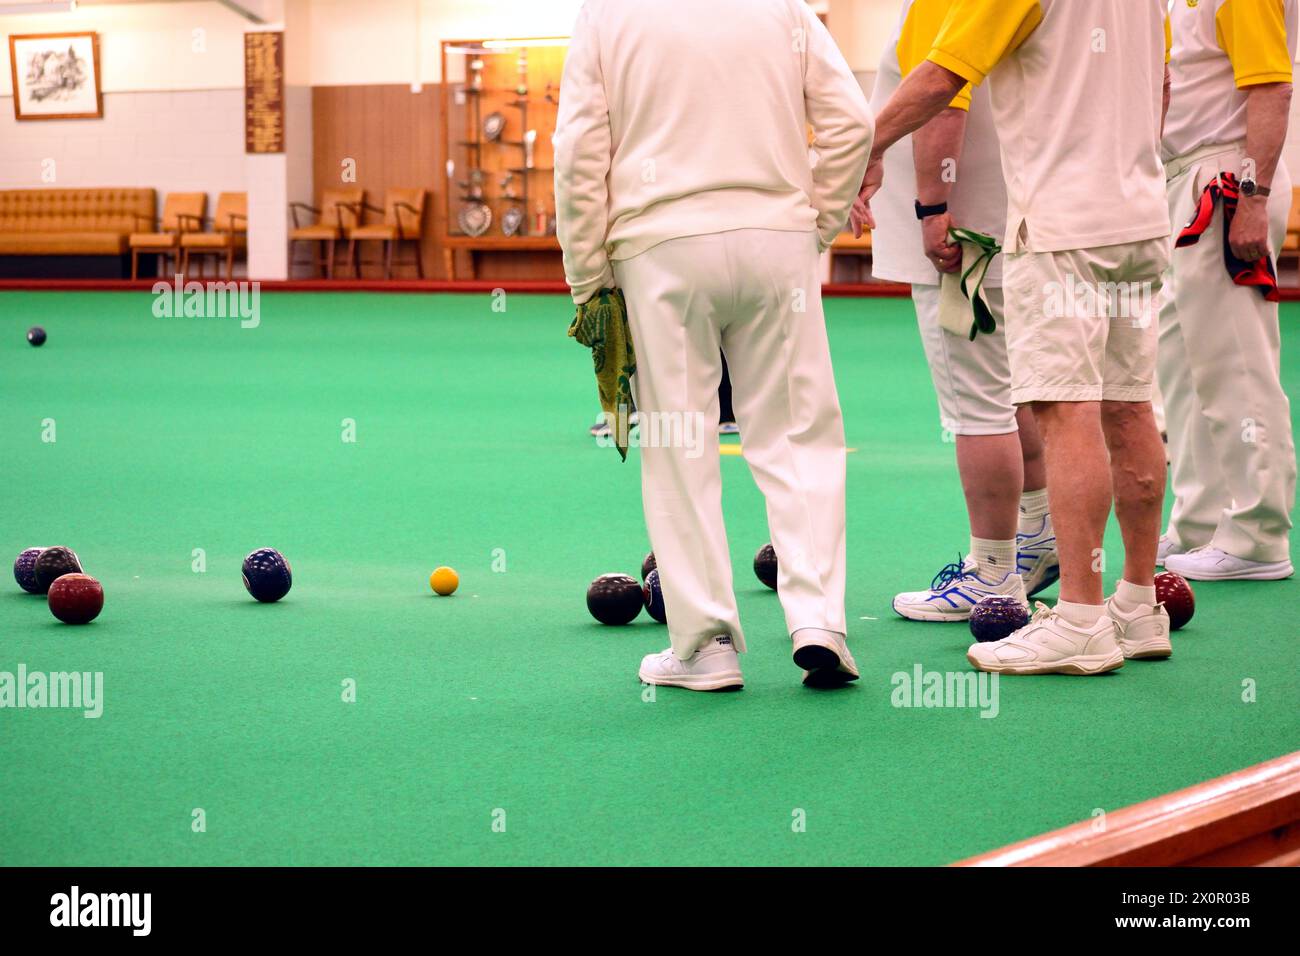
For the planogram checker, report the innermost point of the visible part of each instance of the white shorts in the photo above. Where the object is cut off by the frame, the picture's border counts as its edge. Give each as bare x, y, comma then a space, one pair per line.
972, 380
1082, 324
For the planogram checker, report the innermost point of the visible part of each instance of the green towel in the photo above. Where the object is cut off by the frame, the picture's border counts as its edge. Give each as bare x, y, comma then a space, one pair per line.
972, 277
601, 325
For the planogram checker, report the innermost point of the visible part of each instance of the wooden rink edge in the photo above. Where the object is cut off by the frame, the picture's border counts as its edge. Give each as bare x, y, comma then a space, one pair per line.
1250, 817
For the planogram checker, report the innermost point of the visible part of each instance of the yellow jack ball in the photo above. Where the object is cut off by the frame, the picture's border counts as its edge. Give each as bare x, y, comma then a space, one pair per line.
444, 581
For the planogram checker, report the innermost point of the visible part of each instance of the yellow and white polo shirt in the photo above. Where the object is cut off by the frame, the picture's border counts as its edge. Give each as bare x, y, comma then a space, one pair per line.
979, 195
1076, 89
1220, 49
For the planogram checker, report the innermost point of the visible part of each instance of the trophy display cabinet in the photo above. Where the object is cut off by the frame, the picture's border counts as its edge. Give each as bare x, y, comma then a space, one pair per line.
501, 97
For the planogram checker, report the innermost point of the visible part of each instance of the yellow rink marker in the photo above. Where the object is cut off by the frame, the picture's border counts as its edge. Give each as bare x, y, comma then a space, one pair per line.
734, 449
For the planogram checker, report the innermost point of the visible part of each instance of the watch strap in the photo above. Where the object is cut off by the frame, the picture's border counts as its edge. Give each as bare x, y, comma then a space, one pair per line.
925, 212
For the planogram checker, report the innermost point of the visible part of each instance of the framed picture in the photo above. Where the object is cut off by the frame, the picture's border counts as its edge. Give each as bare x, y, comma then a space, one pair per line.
56, 76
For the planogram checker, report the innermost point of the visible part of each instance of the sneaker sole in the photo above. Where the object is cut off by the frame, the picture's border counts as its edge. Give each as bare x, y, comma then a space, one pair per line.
727, 680
922, 614
1268, 572
1072, 666
1149, 651
822, 667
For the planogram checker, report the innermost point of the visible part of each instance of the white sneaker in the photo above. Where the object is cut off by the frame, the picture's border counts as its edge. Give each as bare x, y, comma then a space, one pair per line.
601, 428
1213, 564
1049, 644
1166, 548
1036, 559
1142, 633
954, 591
715, 666
824, 657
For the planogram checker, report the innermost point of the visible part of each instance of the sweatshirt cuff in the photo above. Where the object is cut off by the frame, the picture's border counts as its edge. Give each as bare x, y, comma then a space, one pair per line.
584, 290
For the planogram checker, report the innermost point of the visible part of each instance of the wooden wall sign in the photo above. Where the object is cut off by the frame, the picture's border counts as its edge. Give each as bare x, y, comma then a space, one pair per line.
264, 92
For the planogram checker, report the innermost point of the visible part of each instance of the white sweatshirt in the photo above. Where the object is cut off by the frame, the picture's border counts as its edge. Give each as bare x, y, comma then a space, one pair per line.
686, 117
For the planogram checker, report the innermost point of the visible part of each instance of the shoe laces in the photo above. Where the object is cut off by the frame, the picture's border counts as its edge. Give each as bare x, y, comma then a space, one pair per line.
1042, 613
949, 574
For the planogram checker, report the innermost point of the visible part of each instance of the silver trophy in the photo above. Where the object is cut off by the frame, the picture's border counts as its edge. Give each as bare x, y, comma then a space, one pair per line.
530, 142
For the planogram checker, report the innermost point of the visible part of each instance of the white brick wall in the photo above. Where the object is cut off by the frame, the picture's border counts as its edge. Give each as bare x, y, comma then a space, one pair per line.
188, 141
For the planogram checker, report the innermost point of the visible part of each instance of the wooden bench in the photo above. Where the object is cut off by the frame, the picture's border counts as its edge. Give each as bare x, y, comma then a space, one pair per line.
1290, 251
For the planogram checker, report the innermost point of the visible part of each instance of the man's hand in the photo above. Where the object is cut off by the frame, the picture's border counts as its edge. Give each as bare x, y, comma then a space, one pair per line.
861, 214
944, 255
860, 218
1248, 237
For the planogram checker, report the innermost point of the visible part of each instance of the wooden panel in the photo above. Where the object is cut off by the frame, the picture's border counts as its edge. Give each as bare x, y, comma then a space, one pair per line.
394, 137
1251, 817
264, 92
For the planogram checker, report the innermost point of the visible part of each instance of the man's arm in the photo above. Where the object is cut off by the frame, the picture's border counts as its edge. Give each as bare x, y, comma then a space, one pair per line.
583, 155
1268, 109
921, 97
837, 111
918, 99
1253, 34
936, 152
976, 36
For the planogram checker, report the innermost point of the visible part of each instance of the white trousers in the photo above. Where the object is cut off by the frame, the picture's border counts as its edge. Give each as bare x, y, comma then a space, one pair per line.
754, 294
1227, 417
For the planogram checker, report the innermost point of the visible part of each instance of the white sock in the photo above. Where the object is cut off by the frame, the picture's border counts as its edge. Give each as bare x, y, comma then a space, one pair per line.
1033, 508
1130, 596
1080, 615
994, 559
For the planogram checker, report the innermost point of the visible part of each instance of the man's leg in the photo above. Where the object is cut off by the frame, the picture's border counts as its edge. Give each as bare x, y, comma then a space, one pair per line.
1233, 347
1199, 488
783, 390
1033, 463
1078, 484
1057, 345
671, 292
1137, 455
726, 414
1036, 557
992, 476
972, 382
1137, 469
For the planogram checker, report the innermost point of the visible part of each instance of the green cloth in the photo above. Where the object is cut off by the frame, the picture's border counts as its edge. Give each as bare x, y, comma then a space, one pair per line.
601, 325
972, 278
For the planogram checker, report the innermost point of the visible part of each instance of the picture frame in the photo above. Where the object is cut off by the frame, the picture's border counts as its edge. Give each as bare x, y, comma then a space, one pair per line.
56, 76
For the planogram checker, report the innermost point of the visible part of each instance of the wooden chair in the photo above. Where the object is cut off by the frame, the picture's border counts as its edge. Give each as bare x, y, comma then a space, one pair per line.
337, 215
179, 210
846, 245
229, 233
1290, 250
403, 214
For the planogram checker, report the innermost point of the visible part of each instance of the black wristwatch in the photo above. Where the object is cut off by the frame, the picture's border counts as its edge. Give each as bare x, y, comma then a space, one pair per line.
1251, 188
925, 212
